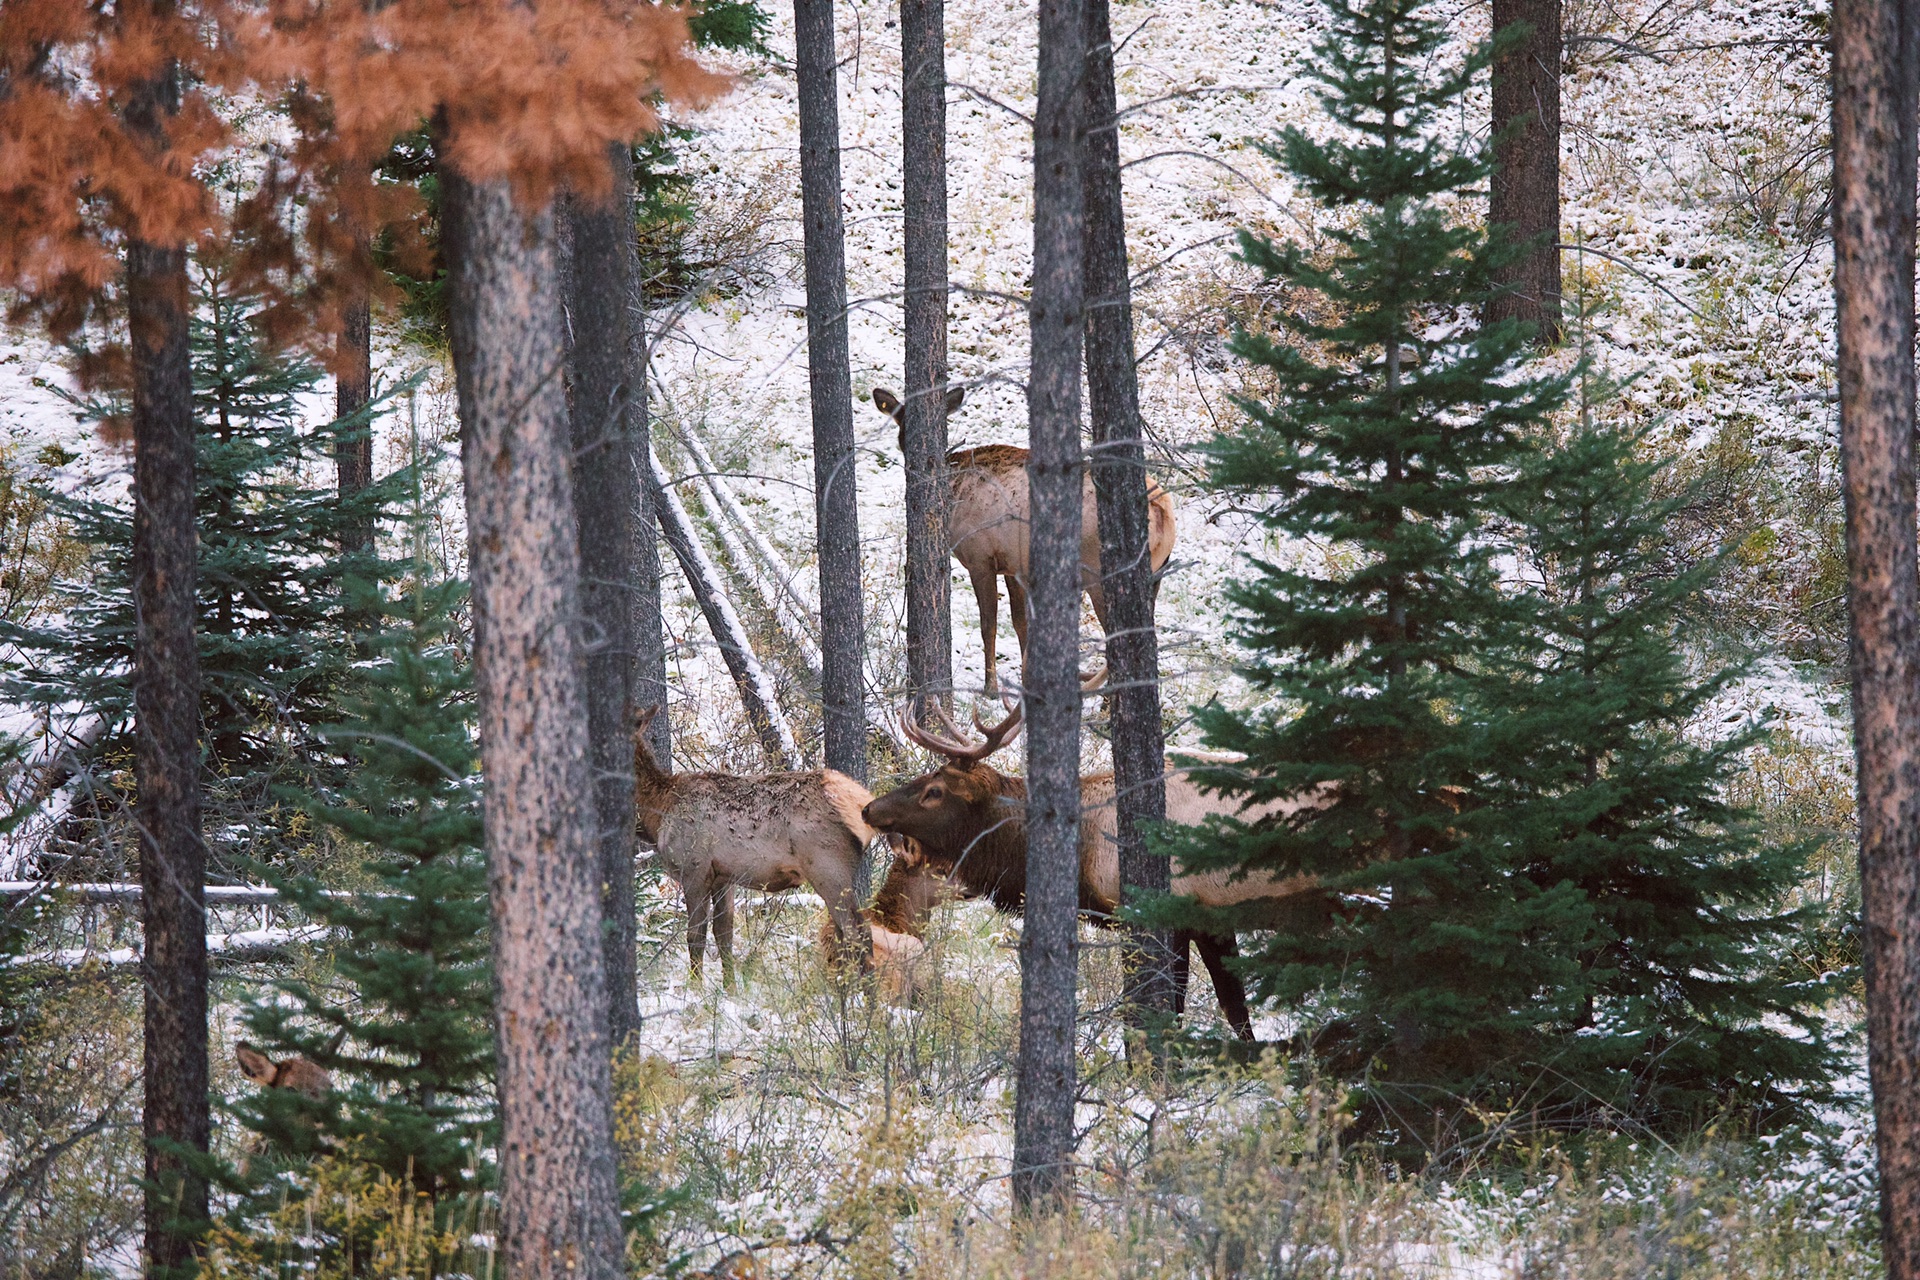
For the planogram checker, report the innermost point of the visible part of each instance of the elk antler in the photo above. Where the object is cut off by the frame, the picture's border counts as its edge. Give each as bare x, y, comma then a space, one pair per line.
952, 748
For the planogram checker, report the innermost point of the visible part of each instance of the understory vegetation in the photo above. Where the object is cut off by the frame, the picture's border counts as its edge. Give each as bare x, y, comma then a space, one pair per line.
1620, 981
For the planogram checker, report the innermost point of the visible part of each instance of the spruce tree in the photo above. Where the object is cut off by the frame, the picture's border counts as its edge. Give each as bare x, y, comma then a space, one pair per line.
273, 640
1533, 898
1394, 419
1680, 1009
402, 1022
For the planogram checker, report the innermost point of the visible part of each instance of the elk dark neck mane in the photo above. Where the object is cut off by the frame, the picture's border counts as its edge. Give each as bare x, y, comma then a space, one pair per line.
989, 851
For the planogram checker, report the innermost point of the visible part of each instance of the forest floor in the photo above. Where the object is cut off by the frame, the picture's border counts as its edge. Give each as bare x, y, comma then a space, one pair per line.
839, 1137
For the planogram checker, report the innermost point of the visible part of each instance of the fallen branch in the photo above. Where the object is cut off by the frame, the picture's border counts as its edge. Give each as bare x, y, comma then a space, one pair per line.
794, 615
756, 690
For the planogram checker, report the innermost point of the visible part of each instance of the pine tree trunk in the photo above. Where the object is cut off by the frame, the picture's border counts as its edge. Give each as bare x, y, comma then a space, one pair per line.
1526, 177
1126, 567
559, 1206
166, 698
649, 622
1049, 963
353, 389
836, 500
1876, 67
923, 432
606, 501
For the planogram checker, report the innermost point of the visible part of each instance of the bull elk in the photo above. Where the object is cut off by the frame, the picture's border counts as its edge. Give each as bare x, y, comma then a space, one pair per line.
770, 832
987, 524
968, 818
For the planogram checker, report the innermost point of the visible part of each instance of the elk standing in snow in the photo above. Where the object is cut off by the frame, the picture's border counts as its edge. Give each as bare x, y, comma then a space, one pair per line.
987, 524
770, 832
969, 819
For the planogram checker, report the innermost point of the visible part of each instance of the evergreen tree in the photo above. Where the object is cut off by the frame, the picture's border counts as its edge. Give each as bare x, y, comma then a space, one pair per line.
1533, 897
1394, 421
274, 645
1680, 1009
402, 1023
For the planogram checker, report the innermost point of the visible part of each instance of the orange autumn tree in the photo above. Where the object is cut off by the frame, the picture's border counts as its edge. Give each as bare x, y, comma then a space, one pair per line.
106, 130
526, 102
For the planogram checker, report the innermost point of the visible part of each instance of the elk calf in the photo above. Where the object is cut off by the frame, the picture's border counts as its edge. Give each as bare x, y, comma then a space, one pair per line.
771, 832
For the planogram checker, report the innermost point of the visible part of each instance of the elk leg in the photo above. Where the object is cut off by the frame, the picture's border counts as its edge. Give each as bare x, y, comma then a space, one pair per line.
1214, 950
853, 941
986, 594
1182, 970
698, 892
723, 931
1017, 610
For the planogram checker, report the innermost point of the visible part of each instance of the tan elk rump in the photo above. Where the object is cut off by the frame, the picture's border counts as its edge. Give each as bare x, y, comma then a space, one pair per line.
988, 522
770, 832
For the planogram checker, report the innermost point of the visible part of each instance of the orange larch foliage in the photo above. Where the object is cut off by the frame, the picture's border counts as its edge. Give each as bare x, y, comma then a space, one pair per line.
533, 91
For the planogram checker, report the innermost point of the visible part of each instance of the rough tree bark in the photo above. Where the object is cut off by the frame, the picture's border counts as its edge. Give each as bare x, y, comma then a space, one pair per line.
649, 623
1876, 68
836, 500
1049, 961
923, 186
166, 699
352, 391
560, 1211
606, 492
1126, 569
1526, 175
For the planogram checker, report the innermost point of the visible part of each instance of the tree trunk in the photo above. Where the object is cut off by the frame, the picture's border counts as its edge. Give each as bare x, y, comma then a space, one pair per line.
1876, 67
606, 503
1049, 964
166, 699
836, 500
1126, 568
649, 622
703, 579
559, 1207
1526, 175
352, 392
923, 432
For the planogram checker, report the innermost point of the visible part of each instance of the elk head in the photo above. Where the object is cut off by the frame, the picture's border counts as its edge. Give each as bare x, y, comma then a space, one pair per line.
300, 1074
889, 404
945, 809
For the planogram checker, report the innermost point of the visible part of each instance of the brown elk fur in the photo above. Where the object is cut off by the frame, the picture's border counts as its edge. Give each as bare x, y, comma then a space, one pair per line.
987, 523
302, 1075
970, 821
770, 832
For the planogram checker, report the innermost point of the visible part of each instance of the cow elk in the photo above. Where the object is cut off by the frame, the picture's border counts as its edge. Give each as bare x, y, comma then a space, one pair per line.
987, 525
771, 832
302, 1075
968, 819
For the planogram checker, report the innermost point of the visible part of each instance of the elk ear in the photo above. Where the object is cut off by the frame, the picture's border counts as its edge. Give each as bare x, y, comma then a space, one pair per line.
254, 1064
909, 854
886, 402
955, 396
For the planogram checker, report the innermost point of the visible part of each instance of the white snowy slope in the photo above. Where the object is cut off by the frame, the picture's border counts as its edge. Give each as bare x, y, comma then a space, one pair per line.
1692, 173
